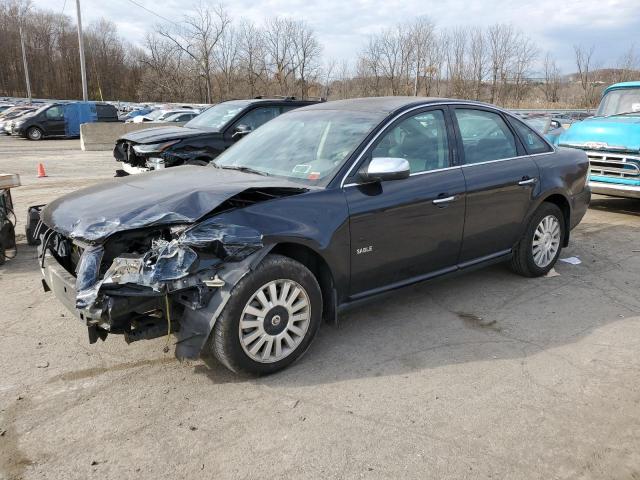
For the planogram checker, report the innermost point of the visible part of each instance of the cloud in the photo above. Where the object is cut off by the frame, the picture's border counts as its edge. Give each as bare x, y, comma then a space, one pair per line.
343, 26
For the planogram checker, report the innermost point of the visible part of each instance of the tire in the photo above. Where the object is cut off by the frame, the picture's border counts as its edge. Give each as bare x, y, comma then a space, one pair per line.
2, 255
524, 262
34, 133
233, 352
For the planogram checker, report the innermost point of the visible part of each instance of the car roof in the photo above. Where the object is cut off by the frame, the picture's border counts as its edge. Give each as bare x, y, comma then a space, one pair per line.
387, 105
615, 86
284, 101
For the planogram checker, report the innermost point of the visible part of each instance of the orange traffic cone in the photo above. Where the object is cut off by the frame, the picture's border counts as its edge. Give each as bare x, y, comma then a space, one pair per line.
41, 172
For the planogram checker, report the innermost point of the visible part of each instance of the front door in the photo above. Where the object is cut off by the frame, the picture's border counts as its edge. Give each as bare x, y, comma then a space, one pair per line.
54, 121
500, 179
402, 230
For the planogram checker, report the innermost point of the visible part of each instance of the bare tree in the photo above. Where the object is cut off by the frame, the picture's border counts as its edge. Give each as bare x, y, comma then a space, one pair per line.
584, 63
252, 56
423, 42
226, 60
306, 56
477, 60
278, 42
524, 54
551, 85
455, 44
628, 65
500, 38
198, 37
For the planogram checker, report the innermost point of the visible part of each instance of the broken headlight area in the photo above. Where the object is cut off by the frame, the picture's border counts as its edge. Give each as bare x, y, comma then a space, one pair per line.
179, 263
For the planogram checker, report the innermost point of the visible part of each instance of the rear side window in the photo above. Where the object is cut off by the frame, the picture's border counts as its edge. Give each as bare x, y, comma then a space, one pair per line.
485, 136
531, 140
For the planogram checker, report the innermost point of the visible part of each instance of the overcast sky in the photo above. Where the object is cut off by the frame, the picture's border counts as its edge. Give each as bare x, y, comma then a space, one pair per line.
343, 25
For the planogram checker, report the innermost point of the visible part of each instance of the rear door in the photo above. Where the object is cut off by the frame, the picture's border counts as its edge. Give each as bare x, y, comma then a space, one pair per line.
402, 230
500, 181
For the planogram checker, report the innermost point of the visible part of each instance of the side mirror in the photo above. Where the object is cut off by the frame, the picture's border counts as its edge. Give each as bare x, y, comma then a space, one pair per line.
386, 168
240, 131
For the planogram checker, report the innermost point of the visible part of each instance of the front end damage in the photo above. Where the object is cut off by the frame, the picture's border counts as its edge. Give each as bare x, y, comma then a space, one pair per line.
149, 283
139, 158
150, 254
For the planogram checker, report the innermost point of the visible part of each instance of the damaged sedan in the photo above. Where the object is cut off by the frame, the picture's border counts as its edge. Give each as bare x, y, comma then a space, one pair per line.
315, 211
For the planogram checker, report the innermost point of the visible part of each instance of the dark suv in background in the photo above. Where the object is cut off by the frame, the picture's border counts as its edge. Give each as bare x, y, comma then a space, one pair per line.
201, 139
62, 120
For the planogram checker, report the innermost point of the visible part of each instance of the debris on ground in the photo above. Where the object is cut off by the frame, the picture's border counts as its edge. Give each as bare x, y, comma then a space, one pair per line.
571, 260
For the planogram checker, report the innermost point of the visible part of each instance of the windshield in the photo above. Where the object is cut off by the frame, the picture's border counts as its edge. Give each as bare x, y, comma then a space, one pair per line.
308, 146
216, 117
623, 100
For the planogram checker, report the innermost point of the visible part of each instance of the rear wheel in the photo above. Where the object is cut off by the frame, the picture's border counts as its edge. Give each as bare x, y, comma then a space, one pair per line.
539, 248
34, 133
270, 319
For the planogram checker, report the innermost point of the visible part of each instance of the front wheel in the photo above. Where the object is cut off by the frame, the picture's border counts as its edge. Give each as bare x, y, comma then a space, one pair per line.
539, 248
34, 133
271, 318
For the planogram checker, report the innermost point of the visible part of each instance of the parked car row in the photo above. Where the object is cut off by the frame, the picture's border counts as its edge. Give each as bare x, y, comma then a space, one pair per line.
292, 211
55, 120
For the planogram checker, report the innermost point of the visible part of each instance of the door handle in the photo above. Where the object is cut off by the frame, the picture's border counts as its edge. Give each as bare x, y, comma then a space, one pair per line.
527, 181
444, 200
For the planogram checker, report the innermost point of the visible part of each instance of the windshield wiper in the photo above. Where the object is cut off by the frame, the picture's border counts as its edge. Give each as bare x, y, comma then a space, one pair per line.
242, 169
623, 113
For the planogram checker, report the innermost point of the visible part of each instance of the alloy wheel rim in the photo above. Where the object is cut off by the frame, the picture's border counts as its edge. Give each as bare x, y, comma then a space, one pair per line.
35, 134
546, 241
274, 321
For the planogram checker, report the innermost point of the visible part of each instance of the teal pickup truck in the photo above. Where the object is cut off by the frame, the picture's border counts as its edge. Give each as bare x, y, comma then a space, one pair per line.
611, 139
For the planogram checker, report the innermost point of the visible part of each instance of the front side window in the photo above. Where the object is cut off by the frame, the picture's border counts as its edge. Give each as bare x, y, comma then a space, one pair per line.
420, 139
259, 116
485, 136
308, 146
55, 113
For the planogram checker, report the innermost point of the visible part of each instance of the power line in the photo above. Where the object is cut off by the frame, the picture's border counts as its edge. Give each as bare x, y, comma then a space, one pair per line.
153, 13
63, 7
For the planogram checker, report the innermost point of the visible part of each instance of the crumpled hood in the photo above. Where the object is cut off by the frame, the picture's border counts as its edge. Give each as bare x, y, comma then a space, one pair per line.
171, 196
617, 133
162, 134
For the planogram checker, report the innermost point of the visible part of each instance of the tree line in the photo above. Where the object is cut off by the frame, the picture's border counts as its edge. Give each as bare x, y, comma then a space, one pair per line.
207, 56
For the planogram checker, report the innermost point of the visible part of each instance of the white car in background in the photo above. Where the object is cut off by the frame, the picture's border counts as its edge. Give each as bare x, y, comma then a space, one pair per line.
159, 115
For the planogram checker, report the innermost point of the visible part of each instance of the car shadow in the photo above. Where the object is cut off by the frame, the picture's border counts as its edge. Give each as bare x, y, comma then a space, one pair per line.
486, 315
629, 206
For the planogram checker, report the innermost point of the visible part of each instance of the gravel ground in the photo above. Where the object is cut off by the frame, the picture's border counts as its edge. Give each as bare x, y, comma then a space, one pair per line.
486, 375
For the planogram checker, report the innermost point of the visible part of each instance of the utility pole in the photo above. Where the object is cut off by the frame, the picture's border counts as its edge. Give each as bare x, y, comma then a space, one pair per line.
83, 70
24, 62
